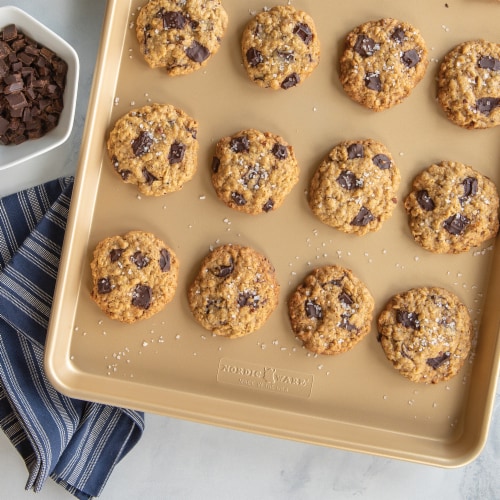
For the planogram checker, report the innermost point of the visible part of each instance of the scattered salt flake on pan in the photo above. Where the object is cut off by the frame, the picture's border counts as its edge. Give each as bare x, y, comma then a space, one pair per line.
177, 337
145, 343
203, 197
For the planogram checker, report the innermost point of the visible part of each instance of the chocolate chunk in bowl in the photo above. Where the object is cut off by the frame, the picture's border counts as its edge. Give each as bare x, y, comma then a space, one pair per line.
39, 74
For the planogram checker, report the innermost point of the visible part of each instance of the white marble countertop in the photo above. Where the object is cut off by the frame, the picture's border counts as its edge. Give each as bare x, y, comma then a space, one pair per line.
184, 460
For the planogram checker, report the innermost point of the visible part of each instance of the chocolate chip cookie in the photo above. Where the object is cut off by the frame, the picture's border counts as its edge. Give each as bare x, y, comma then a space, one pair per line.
331, 310
452, 208
180, 35
382, 62
155, 148
426, 333
234, 292
280, 47
134, 276
469, 84
354, 188
254, 171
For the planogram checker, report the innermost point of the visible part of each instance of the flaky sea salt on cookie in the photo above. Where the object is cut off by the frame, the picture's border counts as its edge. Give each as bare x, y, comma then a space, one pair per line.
234, 292
134, 275
254, 171
426, 333
452, 208
331, 310
469, 84
354, 189
280, 47
382, 62
154, 147
180, 35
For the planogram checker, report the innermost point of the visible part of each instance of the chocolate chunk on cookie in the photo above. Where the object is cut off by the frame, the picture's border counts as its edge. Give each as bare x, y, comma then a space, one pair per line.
354, 188
426, 333
452, 208
134, 276
154, 147
180, 36
234, 292
382, 62
280, 47
469, 84
331, 310
254, 171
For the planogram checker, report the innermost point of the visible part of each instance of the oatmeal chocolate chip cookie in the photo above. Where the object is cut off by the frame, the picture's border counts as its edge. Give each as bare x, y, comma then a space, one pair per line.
426, 333
254, 171
354, 188
331, 310
180, 35
452, 208
154, 147
382, 63
234, 292
133, 276
280, 47
469, 84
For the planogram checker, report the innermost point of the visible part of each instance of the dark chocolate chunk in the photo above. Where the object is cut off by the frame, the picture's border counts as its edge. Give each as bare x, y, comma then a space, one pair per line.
224, 271
149, 178
303, 31
438, 360
104, 286
238, 198
248, 299
268, 205
240, 144
215, 164
172, 19
346, 324
280, 151
254, 57
349, 181
346, 299
425, 201
382, 161
456, 224
486, 105
488, 62
372, 82
408, 319
470, 185
398, 35
9, 33
313, 310
365, 46
355, 151
115, 254
197, 52
290, 81
176, 153
142, 296
363, 218
142, 143
410, 58
164, 260
139, 259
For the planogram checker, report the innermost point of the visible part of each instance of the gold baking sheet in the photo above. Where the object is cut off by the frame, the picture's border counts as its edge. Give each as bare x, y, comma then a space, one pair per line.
266, 382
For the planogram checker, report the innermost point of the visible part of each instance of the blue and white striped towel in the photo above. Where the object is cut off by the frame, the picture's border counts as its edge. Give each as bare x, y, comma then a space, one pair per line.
77, 443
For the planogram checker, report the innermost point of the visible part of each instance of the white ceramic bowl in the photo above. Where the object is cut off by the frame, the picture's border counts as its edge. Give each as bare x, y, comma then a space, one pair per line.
14, 154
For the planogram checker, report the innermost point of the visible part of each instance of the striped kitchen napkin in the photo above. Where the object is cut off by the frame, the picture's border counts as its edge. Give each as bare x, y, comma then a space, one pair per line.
74, 442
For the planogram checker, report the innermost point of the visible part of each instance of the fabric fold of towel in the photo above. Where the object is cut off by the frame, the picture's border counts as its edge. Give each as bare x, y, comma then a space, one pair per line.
76, 443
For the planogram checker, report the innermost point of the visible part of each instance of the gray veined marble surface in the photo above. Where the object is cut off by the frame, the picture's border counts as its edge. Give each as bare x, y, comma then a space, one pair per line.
183, 460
